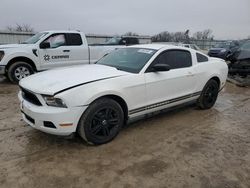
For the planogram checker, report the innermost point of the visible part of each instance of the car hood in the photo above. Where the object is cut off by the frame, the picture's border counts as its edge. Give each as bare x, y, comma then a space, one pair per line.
57, 80
13, 46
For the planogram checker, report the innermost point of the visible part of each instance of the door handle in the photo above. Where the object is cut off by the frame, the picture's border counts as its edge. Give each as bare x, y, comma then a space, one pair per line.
190, 74
66, 50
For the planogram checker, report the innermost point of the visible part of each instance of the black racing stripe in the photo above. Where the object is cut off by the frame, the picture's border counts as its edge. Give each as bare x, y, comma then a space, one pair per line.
155, 105
84, 84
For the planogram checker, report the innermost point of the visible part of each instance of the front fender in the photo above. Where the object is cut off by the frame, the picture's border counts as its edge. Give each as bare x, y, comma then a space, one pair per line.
12, 55
77, 97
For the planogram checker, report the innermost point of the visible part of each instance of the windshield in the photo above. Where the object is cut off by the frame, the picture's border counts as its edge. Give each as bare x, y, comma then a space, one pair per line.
35, 38
194, 46
223, 45
114, 41
128, 59
246, 46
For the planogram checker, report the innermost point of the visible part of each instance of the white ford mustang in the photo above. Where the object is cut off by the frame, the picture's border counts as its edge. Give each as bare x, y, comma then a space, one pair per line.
96, 100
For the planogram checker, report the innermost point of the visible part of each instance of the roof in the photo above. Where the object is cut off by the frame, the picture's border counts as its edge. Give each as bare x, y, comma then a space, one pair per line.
158, 46
62, 31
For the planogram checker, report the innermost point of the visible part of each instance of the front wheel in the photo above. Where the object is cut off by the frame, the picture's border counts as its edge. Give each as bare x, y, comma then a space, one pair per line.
208, 95
18, 71
101, 122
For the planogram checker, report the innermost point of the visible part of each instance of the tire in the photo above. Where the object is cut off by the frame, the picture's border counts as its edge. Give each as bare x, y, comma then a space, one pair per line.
208, 95
101, 122
18, 71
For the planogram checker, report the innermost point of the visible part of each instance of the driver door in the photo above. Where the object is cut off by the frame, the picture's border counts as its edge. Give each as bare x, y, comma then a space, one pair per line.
57, 55
176, 83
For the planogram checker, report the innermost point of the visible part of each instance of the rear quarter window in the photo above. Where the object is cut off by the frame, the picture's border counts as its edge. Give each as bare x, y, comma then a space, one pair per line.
201, 58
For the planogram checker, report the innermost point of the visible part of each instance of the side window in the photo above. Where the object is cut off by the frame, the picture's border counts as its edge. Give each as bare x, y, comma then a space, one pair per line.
201, 58
124, 41
56, 40
175, 59
194, 47
134, 41
129, 41
246, 46
74, 39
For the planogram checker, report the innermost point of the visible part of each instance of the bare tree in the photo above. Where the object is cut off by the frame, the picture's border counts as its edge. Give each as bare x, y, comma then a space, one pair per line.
203, 35
20, 28
9, 28
197, 35
131, 34
207, 34
165, 36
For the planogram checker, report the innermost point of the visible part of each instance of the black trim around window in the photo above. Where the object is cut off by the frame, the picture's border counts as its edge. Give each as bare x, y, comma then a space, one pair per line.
67, 42
154, 62
201, 58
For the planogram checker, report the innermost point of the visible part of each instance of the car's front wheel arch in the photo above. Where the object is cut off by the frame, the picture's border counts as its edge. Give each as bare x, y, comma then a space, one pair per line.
121, 102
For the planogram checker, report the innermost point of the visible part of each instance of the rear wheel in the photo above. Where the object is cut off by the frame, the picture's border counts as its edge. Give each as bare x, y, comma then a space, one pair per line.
208, 95
18, 71
101, 122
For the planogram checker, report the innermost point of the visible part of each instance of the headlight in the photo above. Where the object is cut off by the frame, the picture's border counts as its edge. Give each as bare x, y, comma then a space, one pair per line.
52, 101
1, 55
223, 50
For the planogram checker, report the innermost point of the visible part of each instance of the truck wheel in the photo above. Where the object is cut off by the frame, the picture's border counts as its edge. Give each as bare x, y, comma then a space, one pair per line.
101, 122
19, 70
208, 95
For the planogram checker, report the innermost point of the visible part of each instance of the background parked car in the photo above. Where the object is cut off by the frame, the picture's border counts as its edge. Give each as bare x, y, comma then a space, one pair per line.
224, 49
240, 61
121, 41
47, 50
193, 46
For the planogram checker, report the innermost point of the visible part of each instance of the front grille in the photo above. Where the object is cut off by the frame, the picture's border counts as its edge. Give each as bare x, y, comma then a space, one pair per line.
30, 97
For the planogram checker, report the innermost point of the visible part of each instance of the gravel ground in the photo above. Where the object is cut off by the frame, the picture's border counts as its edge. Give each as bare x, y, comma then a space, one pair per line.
184, 147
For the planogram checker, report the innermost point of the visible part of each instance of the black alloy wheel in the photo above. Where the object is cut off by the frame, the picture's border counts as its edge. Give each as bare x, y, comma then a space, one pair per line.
209, 95
104, 123
101, 122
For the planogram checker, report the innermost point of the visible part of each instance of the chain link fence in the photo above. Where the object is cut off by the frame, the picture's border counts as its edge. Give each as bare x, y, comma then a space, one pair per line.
206, 44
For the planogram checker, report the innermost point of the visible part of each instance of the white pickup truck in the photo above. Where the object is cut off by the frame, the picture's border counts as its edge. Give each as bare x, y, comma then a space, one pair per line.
46, 50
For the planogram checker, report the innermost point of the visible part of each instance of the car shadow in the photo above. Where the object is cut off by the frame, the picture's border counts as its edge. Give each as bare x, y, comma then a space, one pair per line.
160, 114
75, 139
4, 81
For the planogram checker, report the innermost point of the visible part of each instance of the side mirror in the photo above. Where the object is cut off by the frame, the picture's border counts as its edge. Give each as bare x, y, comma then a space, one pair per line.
123, 42
160, 67
44, 45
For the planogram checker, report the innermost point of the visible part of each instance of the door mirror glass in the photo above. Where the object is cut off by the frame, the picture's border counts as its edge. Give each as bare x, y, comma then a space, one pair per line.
160, 67
45, 45
123, 42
